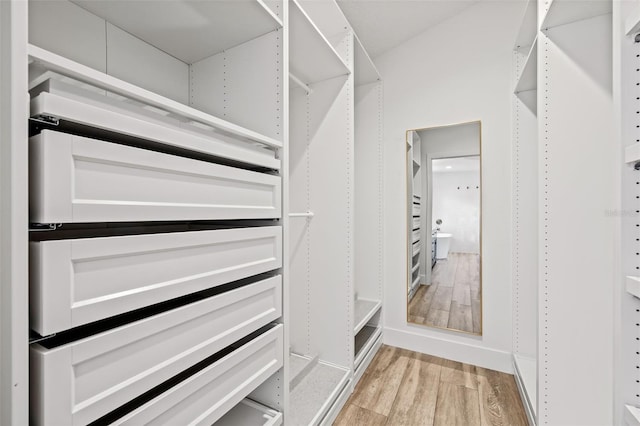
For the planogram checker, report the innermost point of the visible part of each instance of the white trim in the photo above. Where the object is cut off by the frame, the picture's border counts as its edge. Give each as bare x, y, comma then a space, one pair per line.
444, 348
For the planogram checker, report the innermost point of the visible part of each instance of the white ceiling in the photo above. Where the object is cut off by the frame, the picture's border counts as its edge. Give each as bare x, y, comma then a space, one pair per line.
384, 24
456, 164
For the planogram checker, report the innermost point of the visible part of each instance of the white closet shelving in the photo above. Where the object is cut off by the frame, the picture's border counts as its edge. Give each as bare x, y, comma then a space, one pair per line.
627, 303
575, 92
414, 178
524, 208
368, 215
168, 204
321, 178
336, 169
155, 166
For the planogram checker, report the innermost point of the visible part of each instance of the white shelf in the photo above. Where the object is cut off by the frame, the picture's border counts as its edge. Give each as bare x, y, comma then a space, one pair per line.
529, 26
526, 378
248, 412
632, 285
364, 311
631, 415
364, 341
365, 70
58, 64
415, 268
312, 58
194, 29
563, 12
632, 22
632, 153
528, 79
312, 398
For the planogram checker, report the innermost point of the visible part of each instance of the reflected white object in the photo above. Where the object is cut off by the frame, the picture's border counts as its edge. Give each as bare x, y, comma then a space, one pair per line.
443, 242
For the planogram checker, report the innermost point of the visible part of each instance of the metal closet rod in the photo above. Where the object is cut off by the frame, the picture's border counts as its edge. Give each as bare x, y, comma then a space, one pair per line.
305, 214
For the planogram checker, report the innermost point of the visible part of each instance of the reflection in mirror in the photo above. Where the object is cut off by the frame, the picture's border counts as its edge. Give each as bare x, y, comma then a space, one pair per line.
444, 243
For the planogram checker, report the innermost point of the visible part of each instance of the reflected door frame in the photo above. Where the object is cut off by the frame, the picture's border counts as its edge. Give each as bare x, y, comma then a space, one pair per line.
428, 182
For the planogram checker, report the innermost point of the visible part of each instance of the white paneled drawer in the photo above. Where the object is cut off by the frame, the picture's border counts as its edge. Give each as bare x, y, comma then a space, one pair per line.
415, 235
416, 209
78, 281
416, 222
77, 179
416, 248
81, 381
208, 395
85, 105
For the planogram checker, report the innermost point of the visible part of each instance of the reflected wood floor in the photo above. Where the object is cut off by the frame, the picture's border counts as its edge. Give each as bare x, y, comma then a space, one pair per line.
453, 298
402, 387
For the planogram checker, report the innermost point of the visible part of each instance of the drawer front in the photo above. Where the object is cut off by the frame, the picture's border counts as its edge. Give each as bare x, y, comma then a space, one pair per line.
416, 222
416, 248
206, 396
76, 179
78, 105
416, 209
81, 381
75, 282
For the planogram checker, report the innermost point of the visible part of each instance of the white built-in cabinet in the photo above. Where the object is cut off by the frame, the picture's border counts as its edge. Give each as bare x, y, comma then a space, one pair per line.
192, 195
564, 159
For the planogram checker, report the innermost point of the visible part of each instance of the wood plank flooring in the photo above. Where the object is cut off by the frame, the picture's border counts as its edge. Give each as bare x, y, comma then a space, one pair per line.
402, 387
453, 299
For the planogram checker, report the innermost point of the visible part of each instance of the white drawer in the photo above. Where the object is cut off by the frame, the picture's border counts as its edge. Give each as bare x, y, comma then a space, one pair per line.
415, 236
205, 397
77, 179
415, 209
416, 248
81, 381
416, 222
76, 102
75, 282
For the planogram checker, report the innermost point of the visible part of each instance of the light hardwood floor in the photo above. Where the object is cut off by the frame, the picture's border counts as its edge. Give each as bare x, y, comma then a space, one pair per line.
453, 299
402, 387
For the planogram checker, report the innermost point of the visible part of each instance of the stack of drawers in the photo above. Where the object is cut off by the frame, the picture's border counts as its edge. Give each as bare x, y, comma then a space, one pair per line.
159, 297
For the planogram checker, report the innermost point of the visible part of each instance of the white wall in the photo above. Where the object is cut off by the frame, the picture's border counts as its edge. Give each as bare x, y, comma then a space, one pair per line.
456, 200
458, 71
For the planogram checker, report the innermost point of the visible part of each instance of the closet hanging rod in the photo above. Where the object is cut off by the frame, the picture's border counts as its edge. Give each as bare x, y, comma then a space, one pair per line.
306, 214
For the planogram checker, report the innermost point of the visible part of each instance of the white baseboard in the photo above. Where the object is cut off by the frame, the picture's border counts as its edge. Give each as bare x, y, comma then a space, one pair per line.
457, 351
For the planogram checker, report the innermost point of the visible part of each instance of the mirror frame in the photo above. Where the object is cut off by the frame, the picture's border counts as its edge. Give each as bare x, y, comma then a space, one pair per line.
408, 215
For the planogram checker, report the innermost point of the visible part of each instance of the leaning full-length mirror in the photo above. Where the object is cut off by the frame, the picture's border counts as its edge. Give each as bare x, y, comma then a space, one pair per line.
444, 245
